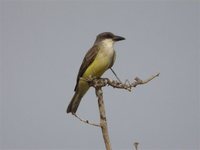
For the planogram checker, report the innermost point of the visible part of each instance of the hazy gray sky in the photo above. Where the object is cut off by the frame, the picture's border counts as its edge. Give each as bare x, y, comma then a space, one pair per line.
42, 46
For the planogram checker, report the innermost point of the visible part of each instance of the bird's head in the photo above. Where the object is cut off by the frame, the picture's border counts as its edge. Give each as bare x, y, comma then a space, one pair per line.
108, 38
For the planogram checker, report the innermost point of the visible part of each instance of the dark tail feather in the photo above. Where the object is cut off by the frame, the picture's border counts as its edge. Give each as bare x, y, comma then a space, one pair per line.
73, 105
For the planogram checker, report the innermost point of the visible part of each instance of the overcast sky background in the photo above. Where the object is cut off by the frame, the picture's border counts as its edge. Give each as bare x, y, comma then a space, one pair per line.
42, 46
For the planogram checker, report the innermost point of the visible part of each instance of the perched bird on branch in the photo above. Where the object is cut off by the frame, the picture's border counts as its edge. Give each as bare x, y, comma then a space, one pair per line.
97, 60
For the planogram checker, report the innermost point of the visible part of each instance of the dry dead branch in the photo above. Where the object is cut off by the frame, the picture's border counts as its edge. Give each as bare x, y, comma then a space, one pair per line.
98, 84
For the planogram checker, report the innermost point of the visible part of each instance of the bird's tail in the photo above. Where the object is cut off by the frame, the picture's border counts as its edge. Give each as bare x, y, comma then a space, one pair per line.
73, 105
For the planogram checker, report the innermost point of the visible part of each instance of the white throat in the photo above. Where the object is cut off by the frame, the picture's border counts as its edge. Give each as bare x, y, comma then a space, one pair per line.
108, 43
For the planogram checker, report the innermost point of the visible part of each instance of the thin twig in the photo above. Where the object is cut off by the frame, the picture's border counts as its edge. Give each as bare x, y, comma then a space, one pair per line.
86, 121
98, 84
115, 74
139, 81
101, 82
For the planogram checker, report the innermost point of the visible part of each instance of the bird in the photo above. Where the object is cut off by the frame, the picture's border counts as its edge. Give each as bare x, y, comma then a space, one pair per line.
99, 58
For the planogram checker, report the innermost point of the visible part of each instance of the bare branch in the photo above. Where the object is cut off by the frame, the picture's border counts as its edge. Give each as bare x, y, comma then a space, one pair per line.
103, 120
86, 121
98, 84
139, 81
101, 82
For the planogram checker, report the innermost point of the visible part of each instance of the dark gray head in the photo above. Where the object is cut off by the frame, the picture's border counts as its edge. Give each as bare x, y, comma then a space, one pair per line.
110, 36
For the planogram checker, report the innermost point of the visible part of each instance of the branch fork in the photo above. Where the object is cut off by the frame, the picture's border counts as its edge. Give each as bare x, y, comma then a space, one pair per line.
101, 82
98, 83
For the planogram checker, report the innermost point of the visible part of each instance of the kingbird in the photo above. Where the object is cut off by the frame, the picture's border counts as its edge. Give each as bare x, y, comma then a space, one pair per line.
97, 60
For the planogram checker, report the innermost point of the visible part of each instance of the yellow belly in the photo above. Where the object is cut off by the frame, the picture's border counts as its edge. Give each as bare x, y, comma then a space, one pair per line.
96, 69
99, 66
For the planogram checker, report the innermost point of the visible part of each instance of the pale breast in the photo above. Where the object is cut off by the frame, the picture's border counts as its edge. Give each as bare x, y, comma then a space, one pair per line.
106, 55
103, 59
102, 62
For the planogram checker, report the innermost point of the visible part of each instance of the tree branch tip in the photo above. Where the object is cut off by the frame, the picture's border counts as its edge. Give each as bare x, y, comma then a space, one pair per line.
138, 79
85, 121
101, 82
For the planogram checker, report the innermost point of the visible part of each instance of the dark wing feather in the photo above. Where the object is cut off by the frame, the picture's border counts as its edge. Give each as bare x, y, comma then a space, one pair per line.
88, 59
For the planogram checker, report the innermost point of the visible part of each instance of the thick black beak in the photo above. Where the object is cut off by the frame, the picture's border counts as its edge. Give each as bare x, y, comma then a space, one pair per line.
118, 38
